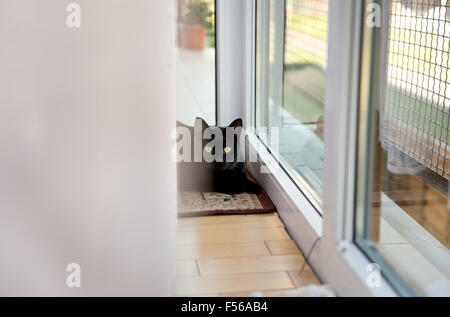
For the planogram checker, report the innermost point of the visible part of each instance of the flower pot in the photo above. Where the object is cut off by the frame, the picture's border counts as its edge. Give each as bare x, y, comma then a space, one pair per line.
192, 36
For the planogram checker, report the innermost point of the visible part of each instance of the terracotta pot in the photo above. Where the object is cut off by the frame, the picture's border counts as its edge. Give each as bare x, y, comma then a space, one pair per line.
192, 36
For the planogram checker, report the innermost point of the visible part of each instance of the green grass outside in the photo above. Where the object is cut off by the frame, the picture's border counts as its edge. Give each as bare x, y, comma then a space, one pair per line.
304, 93
301, 106
293, 58
211, 40
417, 56
422, 51
304, 99
308, 107
316, 27
418, 114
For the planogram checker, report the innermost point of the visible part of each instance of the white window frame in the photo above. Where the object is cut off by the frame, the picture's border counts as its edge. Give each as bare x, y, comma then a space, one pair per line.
344, 262
302, 220
327, 241
229, 49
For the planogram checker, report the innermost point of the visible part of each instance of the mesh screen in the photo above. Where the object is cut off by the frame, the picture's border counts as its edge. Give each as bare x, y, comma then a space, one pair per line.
417, 111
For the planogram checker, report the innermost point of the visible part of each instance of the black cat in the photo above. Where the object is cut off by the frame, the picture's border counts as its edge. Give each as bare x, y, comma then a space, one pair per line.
221, 167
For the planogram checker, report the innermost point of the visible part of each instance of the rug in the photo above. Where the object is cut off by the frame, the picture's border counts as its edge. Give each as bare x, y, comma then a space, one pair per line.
196, 204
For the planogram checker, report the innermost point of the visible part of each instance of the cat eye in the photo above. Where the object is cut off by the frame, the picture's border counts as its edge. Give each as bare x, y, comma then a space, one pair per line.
208, 149
227, 149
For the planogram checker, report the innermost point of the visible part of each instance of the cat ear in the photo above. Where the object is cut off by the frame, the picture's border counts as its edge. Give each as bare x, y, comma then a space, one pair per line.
199, 122
236, 124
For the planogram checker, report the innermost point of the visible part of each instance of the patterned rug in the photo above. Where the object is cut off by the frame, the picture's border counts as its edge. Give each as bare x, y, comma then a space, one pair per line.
195, 204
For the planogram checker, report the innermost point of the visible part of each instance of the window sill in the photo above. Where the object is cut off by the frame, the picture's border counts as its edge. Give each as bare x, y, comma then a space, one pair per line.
301, 219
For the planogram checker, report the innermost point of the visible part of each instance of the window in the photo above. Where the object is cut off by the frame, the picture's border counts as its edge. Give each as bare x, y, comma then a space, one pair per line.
196, 61
388, 159
291, 61
402, 215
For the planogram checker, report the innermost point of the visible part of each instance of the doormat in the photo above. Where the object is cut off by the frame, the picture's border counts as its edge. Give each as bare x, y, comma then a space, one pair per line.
196, 204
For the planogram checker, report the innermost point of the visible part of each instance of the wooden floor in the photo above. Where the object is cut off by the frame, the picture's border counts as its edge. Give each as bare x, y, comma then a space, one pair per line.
237, 255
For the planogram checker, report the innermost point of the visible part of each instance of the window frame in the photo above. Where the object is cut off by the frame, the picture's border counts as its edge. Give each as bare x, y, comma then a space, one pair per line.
302, 220
346, 91
327, 241
373, 86
231, 85
300, 182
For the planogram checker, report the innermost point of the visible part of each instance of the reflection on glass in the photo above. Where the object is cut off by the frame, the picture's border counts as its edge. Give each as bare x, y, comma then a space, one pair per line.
269, 63
405, 224
292, 49
196, 61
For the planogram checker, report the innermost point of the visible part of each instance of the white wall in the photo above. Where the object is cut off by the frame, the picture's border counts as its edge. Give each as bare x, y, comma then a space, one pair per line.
85, 168
230, 34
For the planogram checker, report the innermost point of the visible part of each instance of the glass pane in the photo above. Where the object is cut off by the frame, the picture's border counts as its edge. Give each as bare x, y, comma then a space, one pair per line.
304, 89
269, 64
196, 61
292, 50
403, 220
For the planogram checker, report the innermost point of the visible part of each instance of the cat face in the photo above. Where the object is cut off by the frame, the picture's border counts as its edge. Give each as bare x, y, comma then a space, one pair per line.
221, 145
